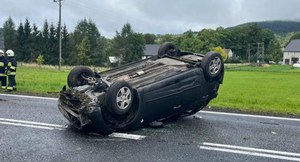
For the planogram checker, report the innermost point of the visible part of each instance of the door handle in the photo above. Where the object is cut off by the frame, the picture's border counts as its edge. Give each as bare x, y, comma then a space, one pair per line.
177, 107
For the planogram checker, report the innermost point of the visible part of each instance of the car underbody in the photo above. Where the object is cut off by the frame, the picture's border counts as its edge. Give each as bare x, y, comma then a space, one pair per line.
165, 87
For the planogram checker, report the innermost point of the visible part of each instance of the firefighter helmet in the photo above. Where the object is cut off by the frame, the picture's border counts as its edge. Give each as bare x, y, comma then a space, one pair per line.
10, 53
1, 52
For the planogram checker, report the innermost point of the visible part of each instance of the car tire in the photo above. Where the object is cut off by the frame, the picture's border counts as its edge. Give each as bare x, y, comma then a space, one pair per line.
212, 65
167, 48
119, 97
75, 76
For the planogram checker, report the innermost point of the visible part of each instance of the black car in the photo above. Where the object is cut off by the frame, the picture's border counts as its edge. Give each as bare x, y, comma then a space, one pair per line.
171, 85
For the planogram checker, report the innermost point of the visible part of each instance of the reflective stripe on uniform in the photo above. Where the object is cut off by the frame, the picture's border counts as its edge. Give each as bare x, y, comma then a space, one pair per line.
1, 64
12, 73
1, 74
13, 67
9, 64
3, 87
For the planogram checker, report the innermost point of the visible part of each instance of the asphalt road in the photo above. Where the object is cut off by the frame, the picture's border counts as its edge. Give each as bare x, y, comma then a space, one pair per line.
32, 129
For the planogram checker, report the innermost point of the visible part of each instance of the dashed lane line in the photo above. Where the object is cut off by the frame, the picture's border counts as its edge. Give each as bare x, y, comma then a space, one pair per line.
282, 155
38, 125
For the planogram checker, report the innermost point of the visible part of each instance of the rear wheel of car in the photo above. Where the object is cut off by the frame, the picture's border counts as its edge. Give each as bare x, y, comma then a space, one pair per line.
119, 97
168, 48
77, 75
212, 65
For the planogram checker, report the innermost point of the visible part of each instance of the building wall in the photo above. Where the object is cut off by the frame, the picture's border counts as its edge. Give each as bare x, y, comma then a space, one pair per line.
230, 54
291, 57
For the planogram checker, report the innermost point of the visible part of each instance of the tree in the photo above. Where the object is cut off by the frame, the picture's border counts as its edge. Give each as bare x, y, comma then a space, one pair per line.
188, 42
45, 42
40, 59
20, 43
9, 34
295, 36
166, 38
149, 38
274, 52
209, 39
27, 41
83, 49
221, 51
53, 55
96, 42
66, 49
128, 45
36, 43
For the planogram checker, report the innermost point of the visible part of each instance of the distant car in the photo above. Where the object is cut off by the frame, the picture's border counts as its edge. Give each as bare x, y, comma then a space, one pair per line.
168, 86
296, 65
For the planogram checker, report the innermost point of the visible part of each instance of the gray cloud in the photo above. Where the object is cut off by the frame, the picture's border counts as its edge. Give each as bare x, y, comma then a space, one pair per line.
151, 16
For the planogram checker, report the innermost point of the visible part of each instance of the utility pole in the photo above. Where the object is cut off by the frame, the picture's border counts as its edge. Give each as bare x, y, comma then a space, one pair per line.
261, 51
249, 53
59, 31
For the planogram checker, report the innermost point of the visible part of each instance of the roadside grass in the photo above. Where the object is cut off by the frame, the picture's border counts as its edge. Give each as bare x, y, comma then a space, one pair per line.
259, 90
272, 90
42, 80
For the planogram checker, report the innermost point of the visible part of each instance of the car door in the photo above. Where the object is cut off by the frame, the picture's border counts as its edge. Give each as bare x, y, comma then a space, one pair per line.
168, 96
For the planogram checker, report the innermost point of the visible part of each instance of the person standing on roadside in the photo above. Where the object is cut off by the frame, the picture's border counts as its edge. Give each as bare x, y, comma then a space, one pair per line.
3, 66
11, 70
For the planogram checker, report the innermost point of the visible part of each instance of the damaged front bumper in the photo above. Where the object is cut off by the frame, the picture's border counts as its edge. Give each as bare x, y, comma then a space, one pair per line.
80, 105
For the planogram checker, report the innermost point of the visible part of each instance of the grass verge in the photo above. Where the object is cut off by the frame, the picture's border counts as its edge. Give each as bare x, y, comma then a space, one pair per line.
272, 90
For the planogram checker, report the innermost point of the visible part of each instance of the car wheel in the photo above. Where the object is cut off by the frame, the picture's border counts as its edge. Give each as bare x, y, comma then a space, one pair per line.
167, 48
119, 97
212, 65
77, 75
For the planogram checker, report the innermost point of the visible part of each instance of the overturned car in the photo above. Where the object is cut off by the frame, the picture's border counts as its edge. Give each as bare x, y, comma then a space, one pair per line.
171, 85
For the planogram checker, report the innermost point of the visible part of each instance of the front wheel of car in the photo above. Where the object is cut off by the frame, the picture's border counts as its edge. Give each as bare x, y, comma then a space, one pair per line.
119, 97
78, 75
212, 65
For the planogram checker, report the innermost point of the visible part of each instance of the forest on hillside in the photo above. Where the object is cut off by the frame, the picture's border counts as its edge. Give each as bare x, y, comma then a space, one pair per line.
281, 28
86, 46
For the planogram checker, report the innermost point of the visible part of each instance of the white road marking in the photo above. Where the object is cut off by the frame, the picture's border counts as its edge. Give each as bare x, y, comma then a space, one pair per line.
127, 136
251, 151
31, 123
28, 125
47, 126
32, 97
252, 116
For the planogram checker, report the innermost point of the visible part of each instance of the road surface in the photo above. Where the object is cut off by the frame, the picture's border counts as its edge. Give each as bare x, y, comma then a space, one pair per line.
32, 129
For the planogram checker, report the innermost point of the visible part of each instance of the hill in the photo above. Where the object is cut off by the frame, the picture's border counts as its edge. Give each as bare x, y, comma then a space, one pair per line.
278, 27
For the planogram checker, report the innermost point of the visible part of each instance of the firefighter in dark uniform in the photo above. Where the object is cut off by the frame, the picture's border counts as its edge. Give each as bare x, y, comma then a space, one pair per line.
11, 70
3, 66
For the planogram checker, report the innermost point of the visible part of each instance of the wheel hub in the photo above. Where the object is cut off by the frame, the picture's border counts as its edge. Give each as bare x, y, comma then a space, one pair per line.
215, 65
124, 98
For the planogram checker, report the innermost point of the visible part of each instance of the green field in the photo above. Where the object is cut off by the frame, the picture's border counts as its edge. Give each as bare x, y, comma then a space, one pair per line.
272, 90
260, 90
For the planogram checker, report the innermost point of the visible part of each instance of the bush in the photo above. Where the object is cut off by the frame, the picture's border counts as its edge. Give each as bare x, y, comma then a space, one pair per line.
40, 59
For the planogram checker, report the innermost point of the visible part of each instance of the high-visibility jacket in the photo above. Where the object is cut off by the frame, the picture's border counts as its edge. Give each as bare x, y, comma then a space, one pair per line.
12, 66
3, 65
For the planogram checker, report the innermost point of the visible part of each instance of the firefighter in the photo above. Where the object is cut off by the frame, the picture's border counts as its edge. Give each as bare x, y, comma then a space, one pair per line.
11, 70
3, 66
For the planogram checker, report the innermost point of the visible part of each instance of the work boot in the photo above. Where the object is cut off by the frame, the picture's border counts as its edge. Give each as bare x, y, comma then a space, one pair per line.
9, 89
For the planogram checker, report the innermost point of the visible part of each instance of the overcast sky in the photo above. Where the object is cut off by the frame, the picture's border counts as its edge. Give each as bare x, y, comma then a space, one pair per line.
150, 16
